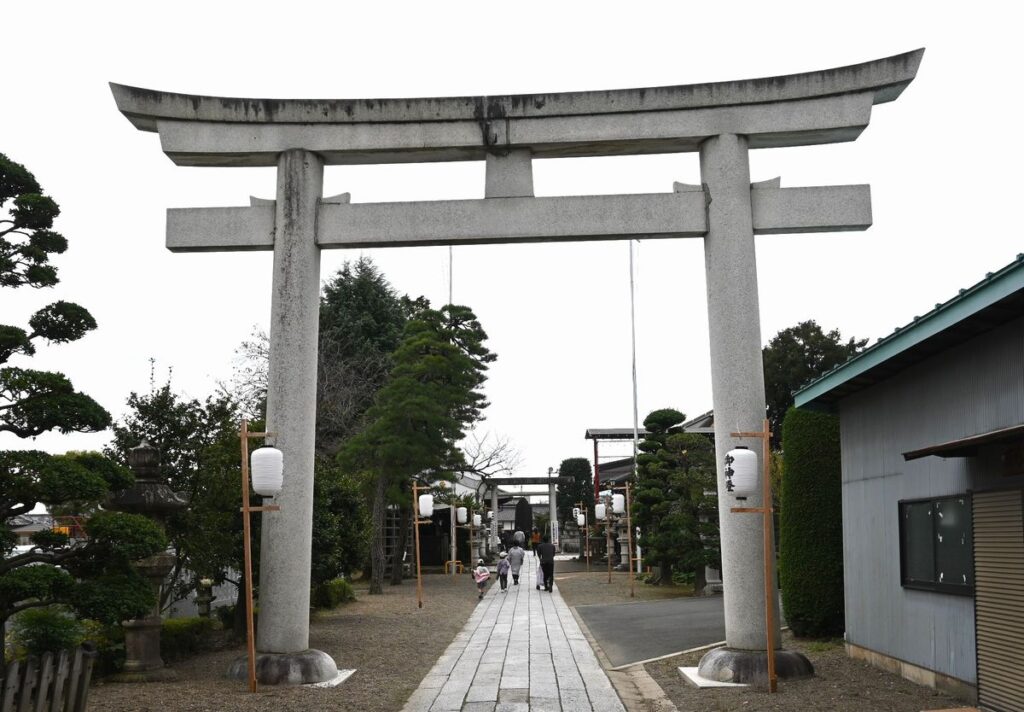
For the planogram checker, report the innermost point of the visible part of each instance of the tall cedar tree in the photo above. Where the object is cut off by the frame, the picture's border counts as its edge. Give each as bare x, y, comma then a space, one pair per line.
362, 319
675, 505
361, 324
432, 396
93, 574
581, 489
794, 357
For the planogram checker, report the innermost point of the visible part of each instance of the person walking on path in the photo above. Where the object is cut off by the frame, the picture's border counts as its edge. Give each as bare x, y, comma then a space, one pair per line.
535, 541
481, 574
503, 568
546, 551
516, 556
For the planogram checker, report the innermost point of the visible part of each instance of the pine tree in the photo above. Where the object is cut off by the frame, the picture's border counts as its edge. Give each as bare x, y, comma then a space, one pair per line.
93, 574
675, 501
433, 394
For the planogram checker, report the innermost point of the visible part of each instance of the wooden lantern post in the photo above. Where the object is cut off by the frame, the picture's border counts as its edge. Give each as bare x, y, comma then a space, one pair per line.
629, 542
250, 632
416, 521
586, 531
767, 510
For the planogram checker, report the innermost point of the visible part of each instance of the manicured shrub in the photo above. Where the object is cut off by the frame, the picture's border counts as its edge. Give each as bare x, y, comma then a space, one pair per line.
183, 637
332, 594
39, 630
811, 525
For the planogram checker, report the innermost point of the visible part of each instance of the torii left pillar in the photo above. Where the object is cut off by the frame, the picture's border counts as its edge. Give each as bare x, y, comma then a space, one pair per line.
286, 545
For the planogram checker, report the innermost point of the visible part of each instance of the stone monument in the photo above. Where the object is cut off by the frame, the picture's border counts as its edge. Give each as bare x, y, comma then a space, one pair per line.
151, 497
721, 121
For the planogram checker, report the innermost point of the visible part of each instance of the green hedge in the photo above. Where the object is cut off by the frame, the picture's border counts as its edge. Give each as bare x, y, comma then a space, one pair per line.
811, 525
183, 637
332, 594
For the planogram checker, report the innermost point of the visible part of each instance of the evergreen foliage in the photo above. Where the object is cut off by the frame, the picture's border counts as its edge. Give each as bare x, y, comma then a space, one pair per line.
524, 521
674, 504
361, 323
796, 356
92, 575
432, 395
581, 489
811, 526
200, 456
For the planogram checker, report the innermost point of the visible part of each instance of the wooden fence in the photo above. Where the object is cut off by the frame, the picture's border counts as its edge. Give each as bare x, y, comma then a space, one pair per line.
54, 683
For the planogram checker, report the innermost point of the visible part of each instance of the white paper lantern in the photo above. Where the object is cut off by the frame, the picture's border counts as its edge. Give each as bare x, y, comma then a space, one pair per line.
477, 520
426, 505
599, 512
741, 476
619, 503
267, 469
575, 511
490, 514
461, 514
581, 520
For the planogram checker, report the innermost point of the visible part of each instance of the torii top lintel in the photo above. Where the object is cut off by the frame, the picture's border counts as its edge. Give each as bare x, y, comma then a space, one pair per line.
825, 106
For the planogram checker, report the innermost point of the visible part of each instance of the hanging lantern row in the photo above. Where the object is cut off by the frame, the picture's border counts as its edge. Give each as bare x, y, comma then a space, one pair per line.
741, 472
267, 471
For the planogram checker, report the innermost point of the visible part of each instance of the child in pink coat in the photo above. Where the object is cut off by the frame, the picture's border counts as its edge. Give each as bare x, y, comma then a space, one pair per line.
481, 574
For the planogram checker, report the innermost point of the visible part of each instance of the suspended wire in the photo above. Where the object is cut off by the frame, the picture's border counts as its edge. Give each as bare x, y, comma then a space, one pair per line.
451, 276
632, 327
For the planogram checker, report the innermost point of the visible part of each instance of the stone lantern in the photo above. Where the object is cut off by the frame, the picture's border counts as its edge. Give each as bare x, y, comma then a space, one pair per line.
151, 497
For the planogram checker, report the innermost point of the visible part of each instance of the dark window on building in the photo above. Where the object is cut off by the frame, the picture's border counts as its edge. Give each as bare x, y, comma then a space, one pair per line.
935, 545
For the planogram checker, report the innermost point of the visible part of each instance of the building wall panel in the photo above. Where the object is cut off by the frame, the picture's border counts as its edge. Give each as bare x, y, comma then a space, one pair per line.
970, 389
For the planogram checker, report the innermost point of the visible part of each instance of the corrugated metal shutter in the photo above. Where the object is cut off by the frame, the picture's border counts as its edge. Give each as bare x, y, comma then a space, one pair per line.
999, 599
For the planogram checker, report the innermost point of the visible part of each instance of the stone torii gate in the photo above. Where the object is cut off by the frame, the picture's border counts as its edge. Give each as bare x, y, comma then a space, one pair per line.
721, 121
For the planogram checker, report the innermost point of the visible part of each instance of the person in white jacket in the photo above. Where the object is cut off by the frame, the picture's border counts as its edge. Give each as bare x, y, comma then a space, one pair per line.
516, 556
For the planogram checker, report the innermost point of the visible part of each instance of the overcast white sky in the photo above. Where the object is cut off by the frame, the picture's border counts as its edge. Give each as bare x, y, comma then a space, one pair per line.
943, 163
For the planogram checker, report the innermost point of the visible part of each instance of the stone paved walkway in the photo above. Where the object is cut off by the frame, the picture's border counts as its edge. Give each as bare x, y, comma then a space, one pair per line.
520, 651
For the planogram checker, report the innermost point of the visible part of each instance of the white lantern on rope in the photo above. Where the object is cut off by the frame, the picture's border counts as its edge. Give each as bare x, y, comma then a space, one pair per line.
461, 515
477, 520
267, 469
426, 505
741, 476
619, 503
599, 511
575, 511
581, 520
490, 514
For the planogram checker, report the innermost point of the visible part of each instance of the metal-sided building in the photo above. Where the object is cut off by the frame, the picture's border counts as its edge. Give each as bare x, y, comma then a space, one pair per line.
932, 430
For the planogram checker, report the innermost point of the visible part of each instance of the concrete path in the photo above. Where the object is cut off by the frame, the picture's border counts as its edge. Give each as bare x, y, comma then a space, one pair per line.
520, 651
630, 632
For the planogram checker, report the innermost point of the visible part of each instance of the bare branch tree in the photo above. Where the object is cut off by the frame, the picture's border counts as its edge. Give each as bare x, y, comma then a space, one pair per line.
489, 455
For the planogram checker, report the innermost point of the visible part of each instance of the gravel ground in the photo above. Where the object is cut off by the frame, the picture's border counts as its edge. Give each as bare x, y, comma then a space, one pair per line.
389, 641
841, 685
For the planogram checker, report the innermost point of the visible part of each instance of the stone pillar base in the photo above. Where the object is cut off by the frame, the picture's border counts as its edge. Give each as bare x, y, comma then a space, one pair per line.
750, 667
303, 668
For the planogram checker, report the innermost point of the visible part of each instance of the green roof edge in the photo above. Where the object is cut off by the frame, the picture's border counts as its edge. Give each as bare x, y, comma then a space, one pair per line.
995, 286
